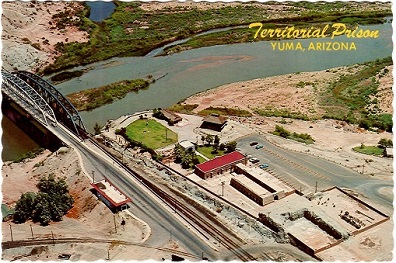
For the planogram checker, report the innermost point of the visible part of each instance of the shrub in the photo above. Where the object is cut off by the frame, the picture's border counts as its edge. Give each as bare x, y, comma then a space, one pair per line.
52, 202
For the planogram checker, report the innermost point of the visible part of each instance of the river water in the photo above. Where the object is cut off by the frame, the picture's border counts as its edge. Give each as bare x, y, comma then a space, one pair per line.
184, 74
100, 10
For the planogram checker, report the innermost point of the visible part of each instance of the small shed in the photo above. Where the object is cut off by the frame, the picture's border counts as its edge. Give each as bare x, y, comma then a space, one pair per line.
187, 145
171, 117
388, 152
214, 122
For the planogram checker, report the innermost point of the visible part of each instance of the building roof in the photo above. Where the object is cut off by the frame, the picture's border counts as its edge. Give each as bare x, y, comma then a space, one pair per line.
265, 177
215, 119
171, 116
252, 186
220, 161
389, 151
111, 192
186, 144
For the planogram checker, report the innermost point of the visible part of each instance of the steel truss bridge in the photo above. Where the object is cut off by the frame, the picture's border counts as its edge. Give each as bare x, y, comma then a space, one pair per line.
42, 100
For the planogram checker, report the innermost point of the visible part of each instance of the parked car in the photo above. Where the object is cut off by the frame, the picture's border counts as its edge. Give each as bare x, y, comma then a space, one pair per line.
253, 143
254, 160
259, 146
264, 165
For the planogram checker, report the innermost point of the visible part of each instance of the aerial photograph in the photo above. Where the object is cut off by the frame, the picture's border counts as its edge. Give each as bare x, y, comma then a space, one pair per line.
197, 131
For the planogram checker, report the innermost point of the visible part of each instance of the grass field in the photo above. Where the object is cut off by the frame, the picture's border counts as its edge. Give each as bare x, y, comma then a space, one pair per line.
370, 150
151, 133
207, 151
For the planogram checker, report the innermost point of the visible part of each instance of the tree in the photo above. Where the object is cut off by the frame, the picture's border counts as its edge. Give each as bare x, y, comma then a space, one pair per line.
383, 143
203, 139
209, 139
231, 146
215, 148
24, 207
222, 146
216, 140
157, 113
52, 202
97, 128
179, 152
186, 160
282, 132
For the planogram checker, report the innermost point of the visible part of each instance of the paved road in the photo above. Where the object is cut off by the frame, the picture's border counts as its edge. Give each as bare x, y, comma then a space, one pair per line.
163, 224
303, 171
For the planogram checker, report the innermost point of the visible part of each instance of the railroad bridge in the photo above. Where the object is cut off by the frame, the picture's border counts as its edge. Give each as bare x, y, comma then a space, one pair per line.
41, 100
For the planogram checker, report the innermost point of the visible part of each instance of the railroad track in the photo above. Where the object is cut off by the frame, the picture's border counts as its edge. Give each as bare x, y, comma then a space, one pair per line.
234, 245
50, 241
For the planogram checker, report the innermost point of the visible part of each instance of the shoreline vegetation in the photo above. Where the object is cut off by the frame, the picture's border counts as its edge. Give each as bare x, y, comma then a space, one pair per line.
246, 35
350, 97
134, 30
90, 99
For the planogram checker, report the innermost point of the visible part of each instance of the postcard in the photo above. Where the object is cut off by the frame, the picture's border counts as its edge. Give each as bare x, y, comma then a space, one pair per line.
197, 130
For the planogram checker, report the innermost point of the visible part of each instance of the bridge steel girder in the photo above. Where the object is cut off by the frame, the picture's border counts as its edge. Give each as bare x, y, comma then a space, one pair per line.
14, 86
63, 108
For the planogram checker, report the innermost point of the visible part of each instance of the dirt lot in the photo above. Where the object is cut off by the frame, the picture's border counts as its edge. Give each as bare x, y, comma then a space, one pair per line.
89, 217
284, 92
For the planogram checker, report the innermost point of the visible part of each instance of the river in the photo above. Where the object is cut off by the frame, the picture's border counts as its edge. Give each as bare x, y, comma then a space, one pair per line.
100, 10
184, 74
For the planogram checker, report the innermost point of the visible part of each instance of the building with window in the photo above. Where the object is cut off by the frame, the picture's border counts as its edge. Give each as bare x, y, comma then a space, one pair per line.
219, 165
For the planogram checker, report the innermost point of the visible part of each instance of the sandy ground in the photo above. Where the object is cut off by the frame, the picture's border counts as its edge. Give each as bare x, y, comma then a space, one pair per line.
89, 217
285, 92
271, 11
27, 23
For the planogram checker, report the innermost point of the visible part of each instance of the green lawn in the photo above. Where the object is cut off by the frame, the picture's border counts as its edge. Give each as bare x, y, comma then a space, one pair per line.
201, 159
371, 150
207, 151
151, 133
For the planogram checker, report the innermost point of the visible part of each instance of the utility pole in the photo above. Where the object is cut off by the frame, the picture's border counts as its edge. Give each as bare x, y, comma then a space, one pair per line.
12, 238
31, 230
93, 177
316, 187
115, 225
222, 188
53, 239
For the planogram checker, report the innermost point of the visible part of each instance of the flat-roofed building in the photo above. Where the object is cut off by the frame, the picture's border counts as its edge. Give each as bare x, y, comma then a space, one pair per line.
219, 165
259, 185
111, 195
187, 145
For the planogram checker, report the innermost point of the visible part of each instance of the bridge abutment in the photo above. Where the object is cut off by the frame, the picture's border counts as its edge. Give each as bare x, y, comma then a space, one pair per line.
34, 129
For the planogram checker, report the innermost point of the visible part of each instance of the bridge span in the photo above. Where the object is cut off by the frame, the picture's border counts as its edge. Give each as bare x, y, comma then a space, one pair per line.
42, 100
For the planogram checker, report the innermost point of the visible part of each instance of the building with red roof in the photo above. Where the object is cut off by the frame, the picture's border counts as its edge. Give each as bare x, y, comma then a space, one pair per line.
111, 195
219, 165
